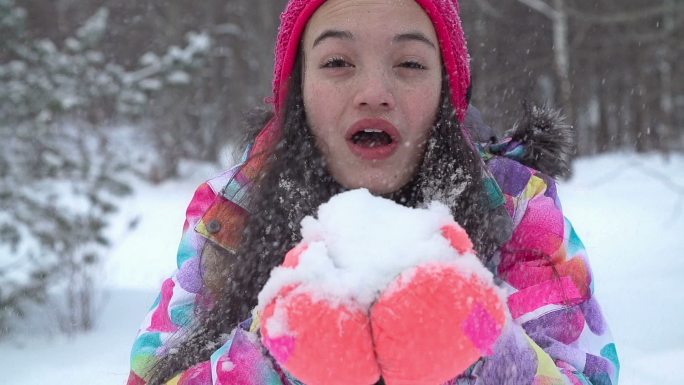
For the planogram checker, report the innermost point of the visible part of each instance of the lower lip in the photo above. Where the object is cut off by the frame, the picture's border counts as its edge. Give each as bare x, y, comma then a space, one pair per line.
373, 153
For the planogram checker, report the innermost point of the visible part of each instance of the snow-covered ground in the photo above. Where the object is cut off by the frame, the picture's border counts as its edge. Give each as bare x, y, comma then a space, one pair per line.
628, 209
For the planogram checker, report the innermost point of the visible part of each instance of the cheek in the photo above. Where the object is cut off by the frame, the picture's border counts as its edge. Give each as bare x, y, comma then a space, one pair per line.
316, 120
422, 109
323, 104
314, 107
316, 97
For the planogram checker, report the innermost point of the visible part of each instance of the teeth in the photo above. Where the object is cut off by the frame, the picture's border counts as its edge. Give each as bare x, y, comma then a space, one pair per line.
372, 130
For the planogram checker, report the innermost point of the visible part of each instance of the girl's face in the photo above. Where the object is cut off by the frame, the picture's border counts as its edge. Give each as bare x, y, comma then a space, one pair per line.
371, 87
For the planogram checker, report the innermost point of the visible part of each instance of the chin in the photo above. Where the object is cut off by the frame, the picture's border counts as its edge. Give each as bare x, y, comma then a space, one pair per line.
376, 184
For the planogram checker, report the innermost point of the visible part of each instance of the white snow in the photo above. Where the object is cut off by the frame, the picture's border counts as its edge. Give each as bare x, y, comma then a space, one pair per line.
179, 77
227, 366
277, 324
629, 212
359, 243
628, 209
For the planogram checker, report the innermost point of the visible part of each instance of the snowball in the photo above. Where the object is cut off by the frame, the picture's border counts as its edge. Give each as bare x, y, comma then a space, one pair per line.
359, 243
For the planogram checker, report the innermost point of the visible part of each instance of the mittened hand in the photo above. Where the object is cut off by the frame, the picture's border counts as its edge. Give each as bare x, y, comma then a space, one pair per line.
426, 327
432, 323
323, 343
316, 341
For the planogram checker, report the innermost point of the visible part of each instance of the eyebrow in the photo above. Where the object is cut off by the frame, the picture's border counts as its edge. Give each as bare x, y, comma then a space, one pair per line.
414, 36
332, 33
346, 35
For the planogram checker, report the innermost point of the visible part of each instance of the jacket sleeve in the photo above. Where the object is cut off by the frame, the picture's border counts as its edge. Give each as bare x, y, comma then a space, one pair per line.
240, 360
175, 304
182, 293
558, 334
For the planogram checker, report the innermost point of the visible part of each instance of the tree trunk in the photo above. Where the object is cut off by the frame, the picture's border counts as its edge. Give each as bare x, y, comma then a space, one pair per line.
558, 14
603, 134
665, 60
561, 50
640, 127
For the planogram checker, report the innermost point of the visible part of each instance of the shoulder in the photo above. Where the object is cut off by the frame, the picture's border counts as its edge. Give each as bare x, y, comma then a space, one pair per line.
524, 188
515, 178
533, 153
206, 216
541, 140
206, 195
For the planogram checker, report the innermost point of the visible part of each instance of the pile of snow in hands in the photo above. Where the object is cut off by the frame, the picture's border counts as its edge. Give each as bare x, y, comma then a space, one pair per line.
360, 243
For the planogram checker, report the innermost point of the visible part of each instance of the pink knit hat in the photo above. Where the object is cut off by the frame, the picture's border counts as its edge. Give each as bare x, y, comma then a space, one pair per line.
445, 18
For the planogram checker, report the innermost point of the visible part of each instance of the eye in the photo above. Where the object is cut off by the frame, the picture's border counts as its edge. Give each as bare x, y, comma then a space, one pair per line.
412, 64
336, 62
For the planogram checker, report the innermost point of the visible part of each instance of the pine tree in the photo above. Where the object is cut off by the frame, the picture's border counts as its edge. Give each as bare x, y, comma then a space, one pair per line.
61, 173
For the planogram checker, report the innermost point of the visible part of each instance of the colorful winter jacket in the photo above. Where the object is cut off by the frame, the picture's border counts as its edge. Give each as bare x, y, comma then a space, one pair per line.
559, 335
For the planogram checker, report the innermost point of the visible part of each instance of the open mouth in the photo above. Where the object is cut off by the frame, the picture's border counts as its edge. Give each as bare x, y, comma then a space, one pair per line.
372, 137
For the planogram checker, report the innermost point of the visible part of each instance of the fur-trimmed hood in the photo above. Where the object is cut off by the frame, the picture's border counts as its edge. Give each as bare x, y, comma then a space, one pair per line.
541, 139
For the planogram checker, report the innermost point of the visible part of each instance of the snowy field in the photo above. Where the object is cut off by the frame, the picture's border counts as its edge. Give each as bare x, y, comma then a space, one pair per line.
628, 209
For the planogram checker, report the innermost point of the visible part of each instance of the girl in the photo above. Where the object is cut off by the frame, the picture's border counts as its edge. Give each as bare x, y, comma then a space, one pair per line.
373, 94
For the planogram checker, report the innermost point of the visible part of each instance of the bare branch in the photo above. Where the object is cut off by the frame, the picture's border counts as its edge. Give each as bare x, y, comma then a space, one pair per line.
612, 18
621, 17
488, 9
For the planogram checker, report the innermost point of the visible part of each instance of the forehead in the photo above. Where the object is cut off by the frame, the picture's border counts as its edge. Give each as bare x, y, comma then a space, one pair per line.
374, 17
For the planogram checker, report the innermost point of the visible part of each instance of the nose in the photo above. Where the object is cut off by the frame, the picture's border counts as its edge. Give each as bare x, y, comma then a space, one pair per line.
374, 92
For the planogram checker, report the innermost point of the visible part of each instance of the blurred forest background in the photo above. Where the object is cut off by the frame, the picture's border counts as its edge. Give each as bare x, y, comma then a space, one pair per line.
96, 92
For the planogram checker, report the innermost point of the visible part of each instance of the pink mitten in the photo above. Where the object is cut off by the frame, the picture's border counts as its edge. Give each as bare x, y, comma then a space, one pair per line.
435, 320
426, 327
318, 342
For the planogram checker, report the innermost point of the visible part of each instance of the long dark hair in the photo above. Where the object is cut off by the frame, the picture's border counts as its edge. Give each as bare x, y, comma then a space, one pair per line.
294, 184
